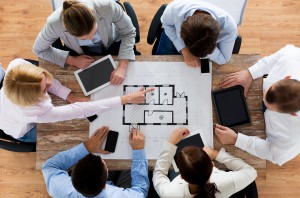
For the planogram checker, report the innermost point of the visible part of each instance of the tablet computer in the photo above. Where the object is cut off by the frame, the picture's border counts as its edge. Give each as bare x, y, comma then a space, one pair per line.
96, 76
231, 106
194, 140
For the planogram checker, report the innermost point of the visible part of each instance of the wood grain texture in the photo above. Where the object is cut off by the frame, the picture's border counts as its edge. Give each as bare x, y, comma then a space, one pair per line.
56, 137
267, 27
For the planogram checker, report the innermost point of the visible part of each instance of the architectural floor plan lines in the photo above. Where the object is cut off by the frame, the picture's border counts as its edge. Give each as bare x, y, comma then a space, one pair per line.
163, 106
181, 98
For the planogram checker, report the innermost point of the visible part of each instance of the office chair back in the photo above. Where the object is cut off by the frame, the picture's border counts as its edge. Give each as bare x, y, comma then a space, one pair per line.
235, 8
156, 29
2, 74
9, 143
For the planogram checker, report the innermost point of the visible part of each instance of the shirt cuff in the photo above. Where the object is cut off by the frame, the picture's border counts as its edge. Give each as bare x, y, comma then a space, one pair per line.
222, 155
242, 141
82, 149
255, 71
139, 154
171, 148
116, 101
64, 92
179, 45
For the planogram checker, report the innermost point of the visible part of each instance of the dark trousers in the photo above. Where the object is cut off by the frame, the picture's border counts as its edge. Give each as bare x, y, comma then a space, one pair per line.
166, 46
120, 178
113, 49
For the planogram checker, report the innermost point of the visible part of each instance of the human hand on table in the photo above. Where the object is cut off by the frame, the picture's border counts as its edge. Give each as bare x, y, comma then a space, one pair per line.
82, 61
136, 139
190, 59
71, 98
94, 143
118, 75
225, 134
243, 78
178, 135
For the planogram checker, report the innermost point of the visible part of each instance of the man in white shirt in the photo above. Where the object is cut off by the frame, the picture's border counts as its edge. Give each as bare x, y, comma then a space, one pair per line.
281, 96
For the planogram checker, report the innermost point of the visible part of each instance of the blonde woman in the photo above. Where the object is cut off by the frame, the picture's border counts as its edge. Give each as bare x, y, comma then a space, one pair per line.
24, 101
87, 28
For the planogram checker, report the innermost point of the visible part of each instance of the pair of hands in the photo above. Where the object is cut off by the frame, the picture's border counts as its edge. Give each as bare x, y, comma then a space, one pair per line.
94, 143
83, 61
181, 133
244, 78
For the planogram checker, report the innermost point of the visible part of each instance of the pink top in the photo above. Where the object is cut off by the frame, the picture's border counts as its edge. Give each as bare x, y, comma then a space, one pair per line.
16, 120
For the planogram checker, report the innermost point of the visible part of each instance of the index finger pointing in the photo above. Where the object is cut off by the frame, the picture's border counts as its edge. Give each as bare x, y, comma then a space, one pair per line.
148, 90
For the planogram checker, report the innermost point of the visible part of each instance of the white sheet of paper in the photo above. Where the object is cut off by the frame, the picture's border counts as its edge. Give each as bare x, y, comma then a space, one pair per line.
167, 106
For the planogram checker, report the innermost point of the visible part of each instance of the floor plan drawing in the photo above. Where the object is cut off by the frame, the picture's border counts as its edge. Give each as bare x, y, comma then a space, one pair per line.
163, 106
181, 97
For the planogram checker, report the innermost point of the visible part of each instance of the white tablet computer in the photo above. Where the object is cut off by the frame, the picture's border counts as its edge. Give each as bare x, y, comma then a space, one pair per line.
96, 76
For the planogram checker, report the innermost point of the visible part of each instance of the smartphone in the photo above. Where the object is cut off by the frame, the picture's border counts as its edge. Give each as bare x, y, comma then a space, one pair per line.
92, 118
111, 141
204, 65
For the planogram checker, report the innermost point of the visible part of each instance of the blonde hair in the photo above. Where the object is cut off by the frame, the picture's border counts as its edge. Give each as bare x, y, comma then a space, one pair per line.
78, 19
22, 84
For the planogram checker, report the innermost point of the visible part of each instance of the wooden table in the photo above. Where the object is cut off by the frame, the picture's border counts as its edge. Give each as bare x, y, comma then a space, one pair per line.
55, 137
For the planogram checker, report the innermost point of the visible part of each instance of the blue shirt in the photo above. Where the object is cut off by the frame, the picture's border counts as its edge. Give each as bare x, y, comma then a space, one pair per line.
95, 45
59, 183
179, 10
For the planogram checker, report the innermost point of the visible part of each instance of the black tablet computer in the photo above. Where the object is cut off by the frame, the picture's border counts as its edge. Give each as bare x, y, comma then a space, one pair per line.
231, 106
194, 140
96, 76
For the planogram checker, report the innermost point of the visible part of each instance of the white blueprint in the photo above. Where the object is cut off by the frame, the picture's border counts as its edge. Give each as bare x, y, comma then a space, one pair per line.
182, 97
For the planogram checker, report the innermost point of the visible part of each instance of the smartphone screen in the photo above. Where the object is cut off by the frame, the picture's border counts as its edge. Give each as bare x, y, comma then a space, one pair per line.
92, 118
204, 65
111, 141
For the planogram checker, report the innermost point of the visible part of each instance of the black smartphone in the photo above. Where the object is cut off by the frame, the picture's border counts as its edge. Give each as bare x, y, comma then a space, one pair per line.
204, 65
92, 118
111, 141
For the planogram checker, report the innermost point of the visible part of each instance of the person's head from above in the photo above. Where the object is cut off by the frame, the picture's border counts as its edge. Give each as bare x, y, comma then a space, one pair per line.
89, 175
195, 167
26, 84
199, 33
283, 96
79, 20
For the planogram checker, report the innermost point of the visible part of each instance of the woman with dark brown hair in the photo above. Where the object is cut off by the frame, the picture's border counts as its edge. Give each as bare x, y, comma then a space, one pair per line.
198, 176
88, 28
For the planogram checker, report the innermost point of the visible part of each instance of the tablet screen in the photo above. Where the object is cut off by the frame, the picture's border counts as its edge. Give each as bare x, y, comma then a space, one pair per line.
231, 106
97, 75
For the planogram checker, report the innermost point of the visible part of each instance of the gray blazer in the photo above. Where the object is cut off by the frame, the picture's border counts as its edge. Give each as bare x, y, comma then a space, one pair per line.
113, 25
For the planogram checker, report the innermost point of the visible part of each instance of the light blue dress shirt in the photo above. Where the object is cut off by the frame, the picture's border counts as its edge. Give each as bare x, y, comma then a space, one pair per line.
95, 45
179, 10
59, 183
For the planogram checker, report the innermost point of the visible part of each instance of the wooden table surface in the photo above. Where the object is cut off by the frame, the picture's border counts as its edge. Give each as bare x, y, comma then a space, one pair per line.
55, 137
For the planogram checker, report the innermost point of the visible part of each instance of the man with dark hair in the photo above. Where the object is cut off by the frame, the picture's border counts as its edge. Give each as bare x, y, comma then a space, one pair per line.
197, 29
281, 99
89, 176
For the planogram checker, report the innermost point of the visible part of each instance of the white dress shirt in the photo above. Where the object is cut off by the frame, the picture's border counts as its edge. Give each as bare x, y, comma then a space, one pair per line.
282, 130
227, 183
16, 120
177, 12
